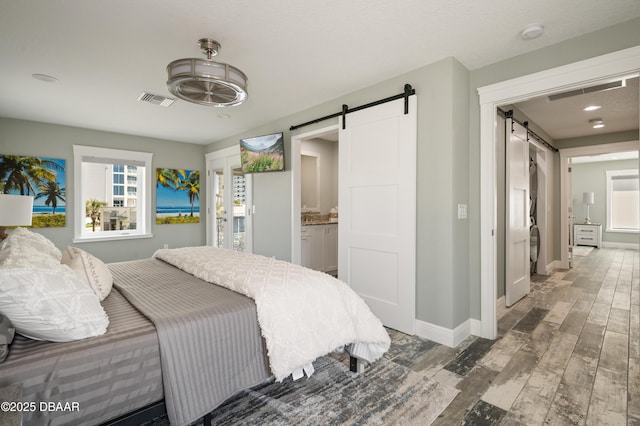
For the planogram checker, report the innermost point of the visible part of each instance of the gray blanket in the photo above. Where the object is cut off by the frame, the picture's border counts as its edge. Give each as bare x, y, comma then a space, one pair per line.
210, 341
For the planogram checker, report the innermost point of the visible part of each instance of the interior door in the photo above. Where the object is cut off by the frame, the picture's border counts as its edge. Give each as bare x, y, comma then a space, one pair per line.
377, 198
570, 212
517, 245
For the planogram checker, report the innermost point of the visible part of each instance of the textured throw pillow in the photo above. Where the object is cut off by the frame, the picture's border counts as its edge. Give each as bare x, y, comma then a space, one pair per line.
50, 303
6, 336
90, 269
24, 239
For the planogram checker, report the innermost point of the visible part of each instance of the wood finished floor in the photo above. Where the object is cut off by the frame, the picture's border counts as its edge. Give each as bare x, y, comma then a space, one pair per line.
567, 354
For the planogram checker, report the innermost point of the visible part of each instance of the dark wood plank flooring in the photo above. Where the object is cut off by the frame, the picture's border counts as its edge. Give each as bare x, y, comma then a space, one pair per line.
567, 354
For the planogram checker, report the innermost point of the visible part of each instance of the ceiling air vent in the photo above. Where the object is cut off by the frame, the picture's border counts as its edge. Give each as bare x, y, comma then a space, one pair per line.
155, 99
599, 88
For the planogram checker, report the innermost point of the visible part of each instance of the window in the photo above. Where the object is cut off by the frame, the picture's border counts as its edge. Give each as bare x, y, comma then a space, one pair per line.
108, 211
623, 201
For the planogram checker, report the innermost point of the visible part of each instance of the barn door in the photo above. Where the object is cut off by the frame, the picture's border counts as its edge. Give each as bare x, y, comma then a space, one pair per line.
377, 198
517, 247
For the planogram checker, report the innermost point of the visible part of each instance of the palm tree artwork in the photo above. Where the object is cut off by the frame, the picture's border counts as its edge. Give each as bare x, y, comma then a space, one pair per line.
177, 196
42, 178
51, 192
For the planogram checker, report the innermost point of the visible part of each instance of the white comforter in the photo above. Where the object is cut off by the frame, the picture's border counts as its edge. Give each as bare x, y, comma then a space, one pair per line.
303, 314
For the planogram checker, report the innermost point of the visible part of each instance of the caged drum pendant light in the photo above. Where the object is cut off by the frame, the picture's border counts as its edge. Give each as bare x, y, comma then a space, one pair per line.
205, 82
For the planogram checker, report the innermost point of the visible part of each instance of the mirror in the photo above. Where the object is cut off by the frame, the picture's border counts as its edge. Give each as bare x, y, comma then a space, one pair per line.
309, 181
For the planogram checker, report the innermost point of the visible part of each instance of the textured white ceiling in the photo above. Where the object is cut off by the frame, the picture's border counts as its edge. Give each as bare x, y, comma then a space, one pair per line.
296, 53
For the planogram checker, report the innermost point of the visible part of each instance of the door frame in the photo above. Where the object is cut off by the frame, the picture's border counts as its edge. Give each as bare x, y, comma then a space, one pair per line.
600, 69
225, 154
565, 188
296, 196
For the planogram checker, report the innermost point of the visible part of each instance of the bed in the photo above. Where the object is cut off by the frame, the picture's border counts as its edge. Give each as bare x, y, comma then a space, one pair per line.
187, 336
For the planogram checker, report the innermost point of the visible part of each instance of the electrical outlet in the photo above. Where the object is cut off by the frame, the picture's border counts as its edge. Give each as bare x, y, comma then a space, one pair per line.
166, 246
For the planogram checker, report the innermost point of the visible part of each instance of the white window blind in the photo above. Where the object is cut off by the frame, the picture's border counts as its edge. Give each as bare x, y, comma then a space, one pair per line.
623, 201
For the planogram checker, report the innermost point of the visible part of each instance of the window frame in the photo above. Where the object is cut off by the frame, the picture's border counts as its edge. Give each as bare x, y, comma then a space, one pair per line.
81, 154
610, 175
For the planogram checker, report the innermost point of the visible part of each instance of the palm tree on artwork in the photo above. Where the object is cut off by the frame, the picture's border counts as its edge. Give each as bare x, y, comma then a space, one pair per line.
23, 173
191, 184
169, 178
52, 191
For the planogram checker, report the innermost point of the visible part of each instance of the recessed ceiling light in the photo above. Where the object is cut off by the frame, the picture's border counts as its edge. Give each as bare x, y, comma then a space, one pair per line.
592, 108
597, 123
224, 116
532, 31
44, 77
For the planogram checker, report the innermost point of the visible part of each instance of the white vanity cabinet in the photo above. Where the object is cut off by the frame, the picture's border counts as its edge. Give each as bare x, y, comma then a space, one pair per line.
320, 247
587, 234
312, 246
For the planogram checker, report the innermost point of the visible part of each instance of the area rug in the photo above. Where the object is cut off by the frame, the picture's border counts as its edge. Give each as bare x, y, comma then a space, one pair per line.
385, 394
581, 250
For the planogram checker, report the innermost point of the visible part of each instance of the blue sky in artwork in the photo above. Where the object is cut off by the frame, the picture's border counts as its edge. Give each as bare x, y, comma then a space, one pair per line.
260, 143
61, 178
167, 197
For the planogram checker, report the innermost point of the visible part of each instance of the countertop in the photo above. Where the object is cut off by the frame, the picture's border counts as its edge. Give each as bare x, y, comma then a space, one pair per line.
319, 222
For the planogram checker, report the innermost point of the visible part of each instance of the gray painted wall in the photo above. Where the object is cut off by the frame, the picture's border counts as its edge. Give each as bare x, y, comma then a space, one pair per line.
18, 137
442, 295
590, 177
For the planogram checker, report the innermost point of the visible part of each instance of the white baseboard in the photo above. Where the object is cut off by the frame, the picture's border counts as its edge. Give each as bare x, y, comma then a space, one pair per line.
552, 267
611, 244
501, 307
446, 336
476, 327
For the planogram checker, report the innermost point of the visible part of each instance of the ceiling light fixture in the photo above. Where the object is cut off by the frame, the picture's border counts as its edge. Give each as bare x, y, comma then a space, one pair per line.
592, 108
597, 123
532, 31
205, 82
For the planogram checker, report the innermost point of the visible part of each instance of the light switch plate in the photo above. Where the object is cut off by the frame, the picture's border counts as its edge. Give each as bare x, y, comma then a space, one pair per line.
462, 211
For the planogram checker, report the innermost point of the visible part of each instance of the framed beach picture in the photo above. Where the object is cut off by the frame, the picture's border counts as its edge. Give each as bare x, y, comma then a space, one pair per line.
41, 177
177, 196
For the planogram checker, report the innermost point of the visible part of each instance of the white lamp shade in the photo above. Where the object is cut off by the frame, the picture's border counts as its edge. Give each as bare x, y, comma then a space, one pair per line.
15, 210
588, 198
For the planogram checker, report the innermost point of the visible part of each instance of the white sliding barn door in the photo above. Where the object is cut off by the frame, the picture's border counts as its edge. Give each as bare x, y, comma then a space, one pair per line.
517, 245
377, 199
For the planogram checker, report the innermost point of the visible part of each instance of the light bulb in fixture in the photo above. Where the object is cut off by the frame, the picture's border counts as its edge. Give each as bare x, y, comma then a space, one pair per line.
596, 123
592, 108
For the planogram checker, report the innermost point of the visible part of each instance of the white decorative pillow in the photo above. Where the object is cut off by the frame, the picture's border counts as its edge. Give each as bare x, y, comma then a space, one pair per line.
90, 269
24, 239
50, 304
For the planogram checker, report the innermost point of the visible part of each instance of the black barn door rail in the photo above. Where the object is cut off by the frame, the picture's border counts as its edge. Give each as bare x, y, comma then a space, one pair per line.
408, 91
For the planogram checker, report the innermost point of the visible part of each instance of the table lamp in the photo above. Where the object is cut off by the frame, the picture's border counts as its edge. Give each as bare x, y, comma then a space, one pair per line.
587, 199
15, 210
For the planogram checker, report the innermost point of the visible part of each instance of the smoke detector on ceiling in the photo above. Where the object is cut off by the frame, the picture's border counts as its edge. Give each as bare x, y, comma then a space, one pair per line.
532, 31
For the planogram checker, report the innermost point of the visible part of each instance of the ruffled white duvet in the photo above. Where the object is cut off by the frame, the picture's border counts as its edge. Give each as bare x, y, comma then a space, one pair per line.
303, 314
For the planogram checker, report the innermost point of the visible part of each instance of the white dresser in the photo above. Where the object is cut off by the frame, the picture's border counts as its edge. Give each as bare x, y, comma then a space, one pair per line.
587, 234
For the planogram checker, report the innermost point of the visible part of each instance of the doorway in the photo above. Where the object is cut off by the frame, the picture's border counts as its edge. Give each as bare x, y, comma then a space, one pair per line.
229, 206
329, 133
606, 68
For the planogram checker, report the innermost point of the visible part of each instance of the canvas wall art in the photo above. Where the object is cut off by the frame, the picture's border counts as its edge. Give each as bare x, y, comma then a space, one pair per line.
177, 196
41, 177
